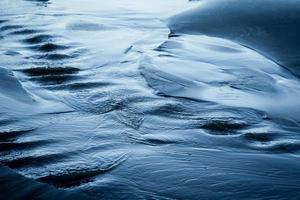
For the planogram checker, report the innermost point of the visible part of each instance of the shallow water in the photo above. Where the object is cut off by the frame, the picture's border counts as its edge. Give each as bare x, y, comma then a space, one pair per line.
99, 98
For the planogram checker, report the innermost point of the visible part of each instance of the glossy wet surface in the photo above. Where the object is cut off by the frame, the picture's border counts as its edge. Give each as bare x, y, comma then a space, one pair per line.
98, 97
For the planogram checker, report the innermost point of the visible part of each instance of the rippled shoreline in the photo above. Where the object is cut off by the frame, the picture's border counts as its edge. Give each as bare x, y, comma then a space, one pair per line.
113, 101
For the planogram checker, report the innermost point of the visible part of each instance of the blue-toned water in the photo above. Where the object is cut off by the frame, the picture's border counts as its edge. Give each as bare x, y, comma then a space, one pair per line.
142, 99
